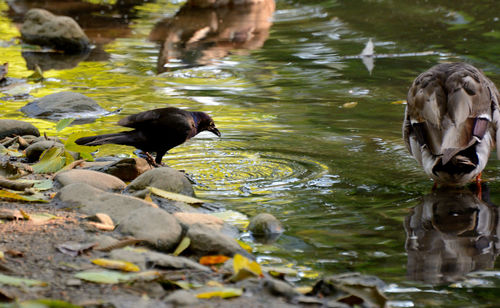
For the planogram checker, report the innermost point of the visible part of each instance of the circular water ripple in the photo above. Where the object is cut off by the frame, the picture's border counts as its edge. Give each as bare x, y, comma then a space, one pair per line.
248, 172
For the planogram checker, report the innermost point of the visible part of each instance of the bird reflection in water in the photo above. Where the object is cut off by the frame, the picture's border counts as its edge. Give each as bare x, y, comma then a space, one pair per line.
449, 234
197, 35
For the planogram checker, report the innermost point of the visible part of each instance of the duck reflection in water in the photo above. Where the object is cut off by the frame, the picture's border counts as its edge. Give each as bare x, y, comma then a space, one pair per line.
450, 234
198, 34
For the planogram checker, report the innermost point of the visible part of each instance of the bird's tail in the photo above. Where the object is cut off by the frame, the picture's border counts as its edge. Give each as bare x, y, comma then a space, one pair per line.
117, 138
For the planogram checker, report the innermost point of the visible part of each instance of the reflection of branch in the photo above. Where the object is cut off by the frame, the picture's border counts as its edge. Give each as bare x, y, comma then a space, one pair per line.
399, 55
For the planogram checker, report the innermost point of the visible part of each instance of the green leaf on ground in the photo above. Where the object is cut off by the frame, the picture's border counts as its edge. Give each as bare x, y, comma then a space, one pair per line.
220, 292
52, 160
108, 277
186, 241
173, 196
18, 281
10, 195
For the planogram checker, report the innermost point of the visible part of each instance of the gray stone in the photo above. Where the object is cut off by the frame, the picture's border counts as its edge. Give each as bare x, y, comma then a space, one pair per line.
206, 240
63, 33
9, 128
64, 105
126, 169
182, 298
156, 226
36, 149
265, 224
280, 288
99, 180
90, 200
165, 178
158, 260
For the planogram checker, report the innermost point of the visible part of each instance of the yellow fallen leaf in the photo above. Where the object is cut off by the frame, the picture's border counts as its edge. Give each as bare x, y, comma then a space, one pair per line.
245, 246
221, 292
211, 260
2, 256
401, 102
173, 196
25, 215
117, 264
8, 195
244, 268
304, 289
183, 245
350, 105
213, 283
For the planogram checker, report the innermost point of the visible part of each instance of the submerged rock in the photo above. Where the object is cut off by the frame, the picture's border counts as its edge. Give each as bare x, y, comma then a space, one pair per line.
90, 200
64, 105
165, 178
63, 33
9, 128
265, 226
126, 169
96, 179
154, 225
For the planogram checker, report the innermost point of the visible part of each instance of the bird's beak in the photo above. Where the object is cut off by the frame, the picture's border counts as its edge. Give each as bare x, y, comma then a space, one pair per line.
214, 130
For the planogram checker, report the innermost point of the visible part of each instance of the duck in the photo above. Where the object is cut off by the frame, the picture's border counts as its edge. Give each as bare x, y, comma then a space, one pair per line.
451, 123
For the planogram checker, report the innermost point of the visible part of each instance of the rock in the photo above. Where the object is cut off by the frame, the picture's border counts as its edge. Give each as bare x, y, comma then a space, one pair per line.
96, 179
265, 225
90, 200
181, 298
156, 226
145, 259
280, 288
43, 28
189, 219
206, 241
126, 169
36, 149
9, 128
165, 178
64, 105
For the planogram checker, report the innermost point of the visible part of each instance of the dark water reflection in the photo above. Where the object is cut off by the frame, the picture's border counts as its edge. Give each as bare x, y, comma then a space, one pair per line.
309, 134
450, 234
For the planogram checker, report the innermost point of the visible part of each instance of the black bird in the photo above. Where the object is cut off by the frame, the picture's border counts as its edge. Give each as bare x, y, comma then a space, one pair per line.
156, 130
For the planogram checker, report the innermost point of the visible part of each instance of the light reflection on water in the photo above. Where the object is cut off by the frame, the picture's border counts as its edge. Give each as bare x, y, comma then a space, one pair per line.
339, 178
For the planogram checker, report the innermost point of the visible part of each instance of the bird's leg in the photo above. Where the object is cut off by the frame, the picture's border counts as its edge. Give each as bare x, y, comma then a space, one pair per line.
478, 186
434, 186
151, 161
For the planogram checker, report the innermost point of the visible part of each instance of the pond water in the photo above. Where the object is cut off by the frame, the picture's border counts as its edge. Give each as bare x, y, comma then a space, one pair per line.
310, 132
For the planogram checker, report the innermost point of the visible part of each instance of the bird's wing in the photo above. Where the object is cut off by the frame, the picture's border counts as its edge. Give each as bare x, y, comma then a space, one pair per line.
495, 110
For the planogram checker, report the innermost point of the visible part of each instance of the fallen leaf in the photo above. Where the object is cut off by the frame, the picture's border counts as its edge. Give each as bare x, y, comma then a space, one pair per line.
350, 105
183, 245
64, 123
52, 160
18, 281
244, 268
279, 271
117, 264
211, 260
26, 216
220, 292
14, 253
12, 196
245, 246
2, 256
303, 289
74, 249
107, 277
173, 196
401, 102
45, 303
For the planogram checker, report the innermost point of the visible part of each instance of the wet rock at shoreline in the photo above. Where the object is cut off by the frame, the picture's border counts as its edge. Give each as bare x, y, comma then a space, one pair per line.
126, 169
9, 128
63, 33
181, 298
205, 241
154, 225
36, 149
189, 219
96, 179
62, 105
265, 226
165, 178
90, 200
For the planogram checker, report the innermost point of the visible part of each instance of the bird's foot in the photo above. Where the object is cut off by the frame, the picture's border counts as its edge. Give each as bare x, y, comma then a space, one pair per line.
151, 161
479, 188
